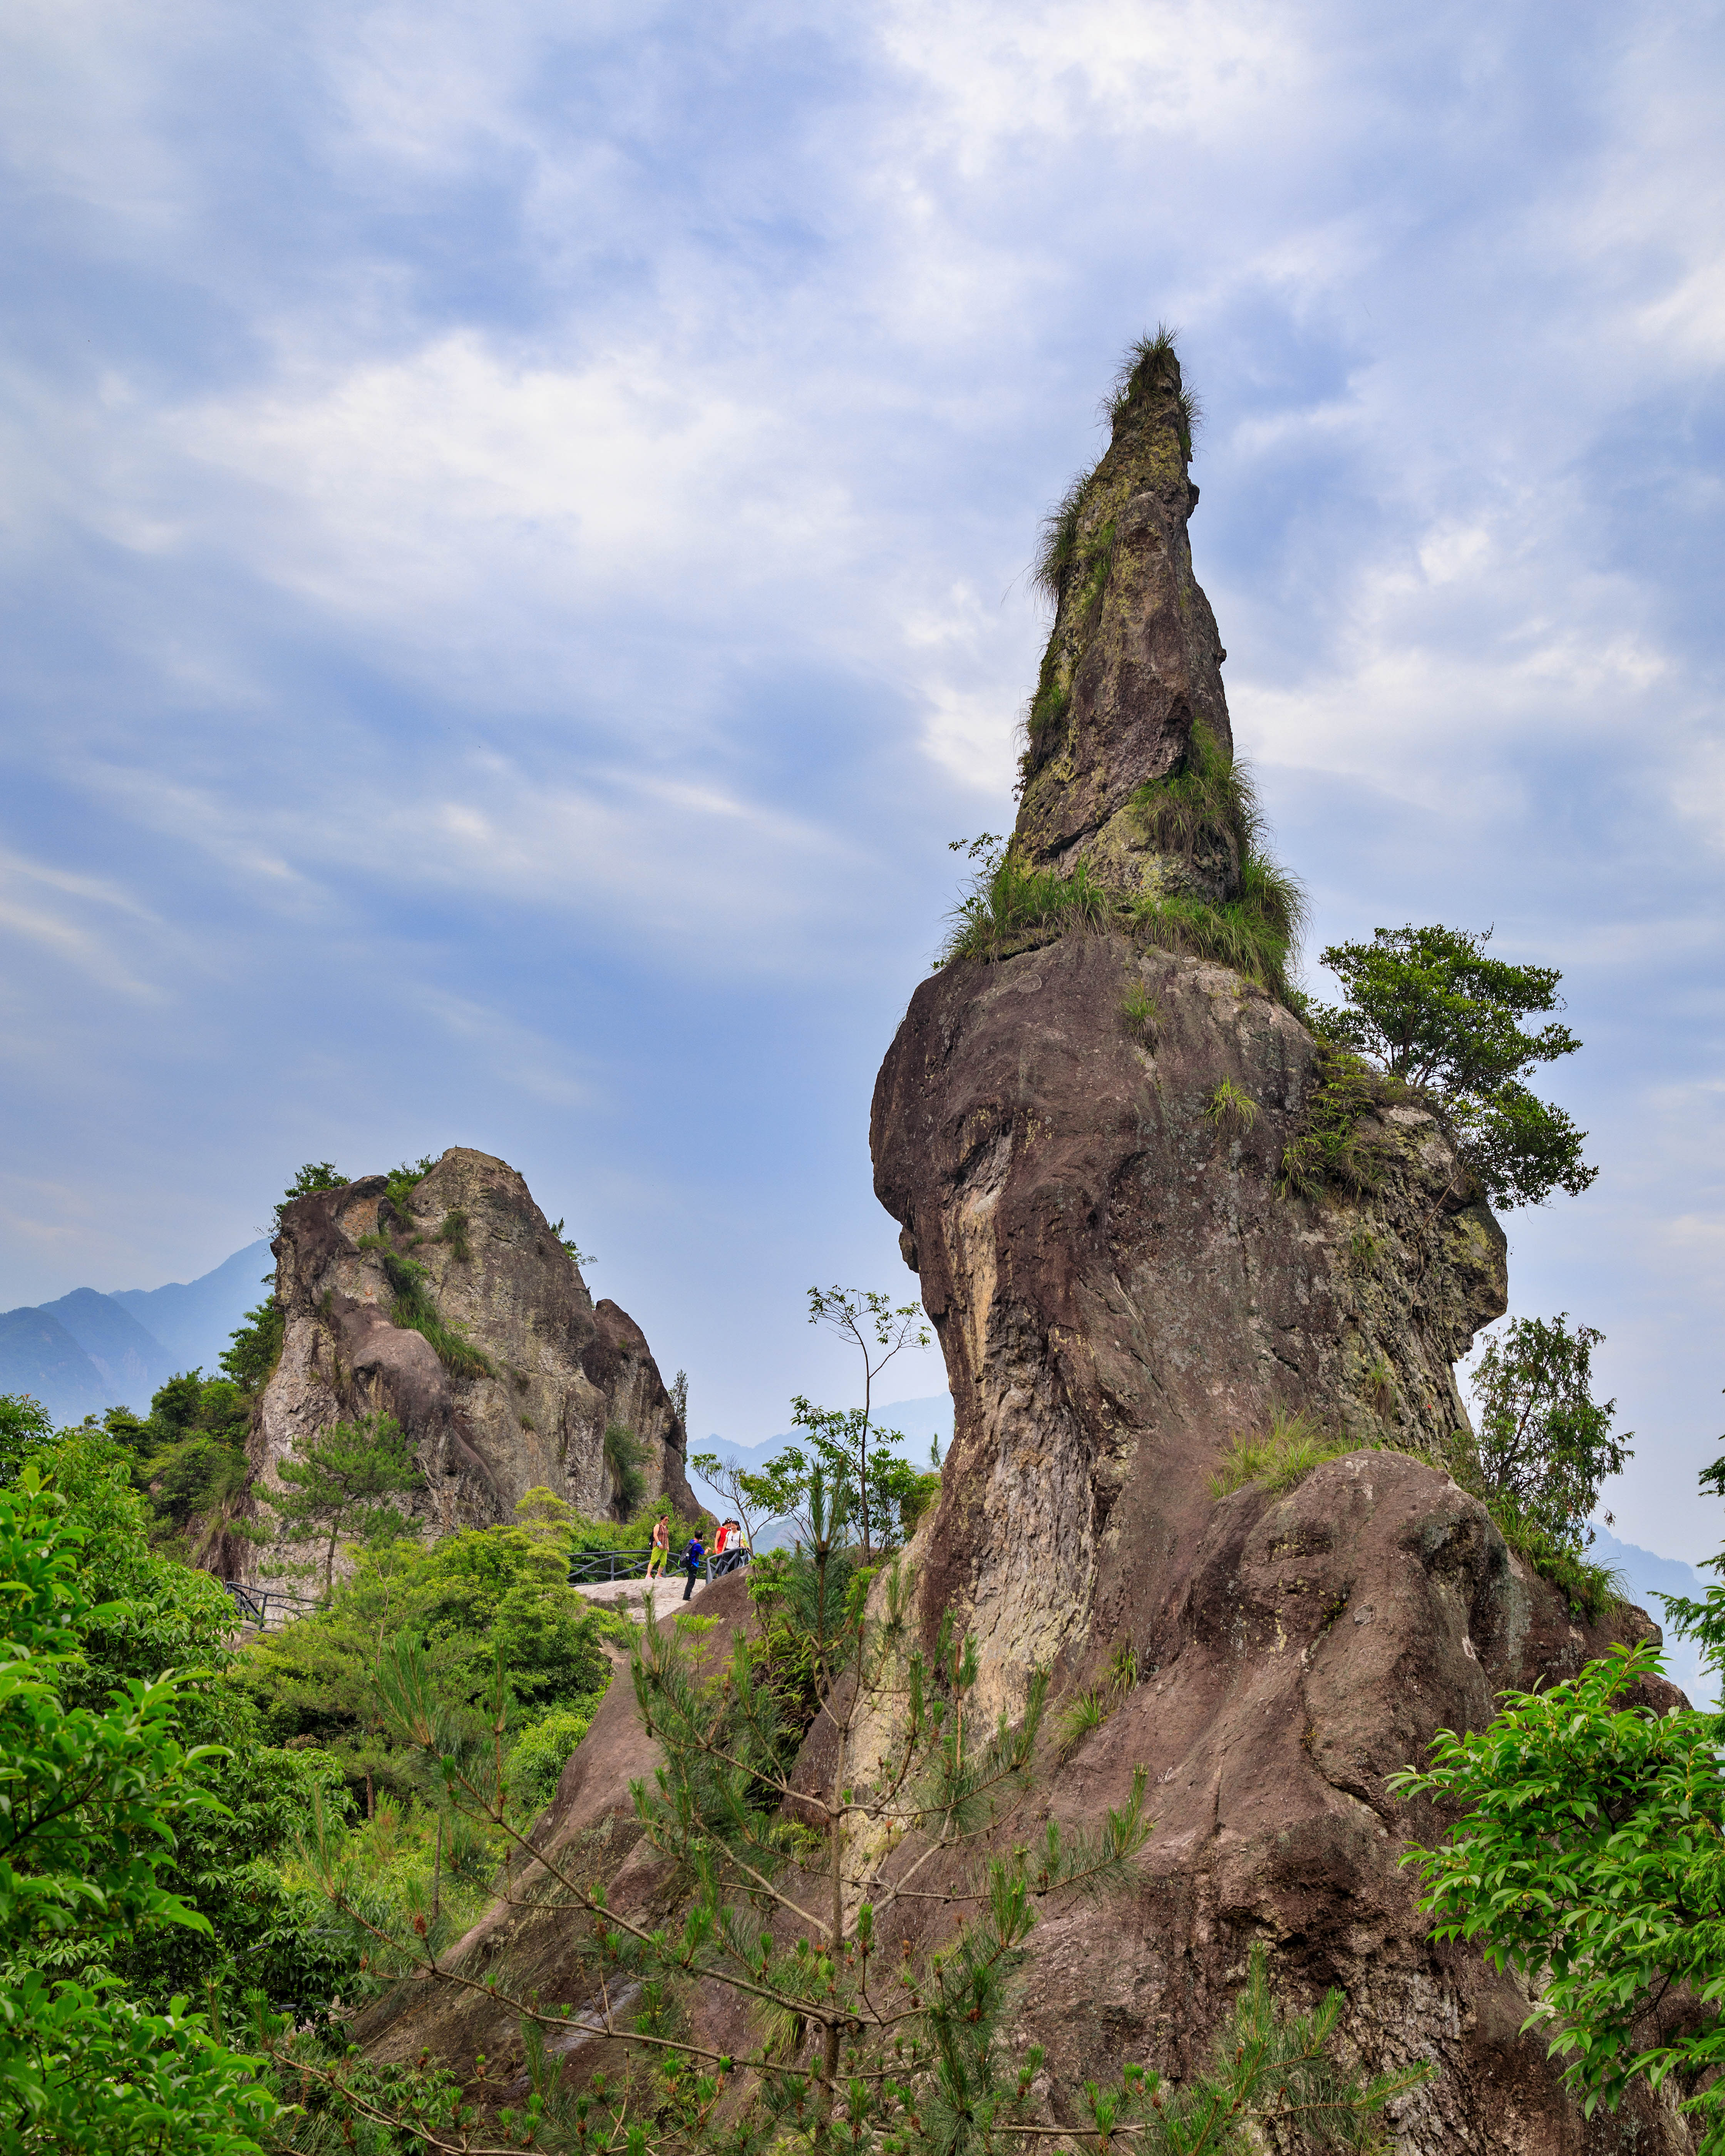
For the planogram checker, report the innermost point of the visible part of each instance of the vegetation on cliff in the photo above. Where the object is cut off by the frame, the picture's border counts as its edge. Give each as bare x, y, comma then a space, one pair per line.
1432, 1009
1544, 1451
808, 1896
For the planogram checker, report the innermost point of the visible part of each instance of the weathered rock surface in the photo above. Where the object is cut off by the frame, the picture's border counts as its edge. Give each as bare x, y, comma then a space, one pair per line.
1094, 1201
1120, 1288
562, 1370
1134, 657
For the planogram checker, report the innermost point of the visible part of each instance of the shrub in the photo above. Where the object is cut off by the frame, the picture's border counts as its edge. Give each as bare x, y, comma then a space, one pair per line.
540, 1754
624, 1456
1545, 1443
1330, 1148
1008, 899
414, 1309
1435, 1009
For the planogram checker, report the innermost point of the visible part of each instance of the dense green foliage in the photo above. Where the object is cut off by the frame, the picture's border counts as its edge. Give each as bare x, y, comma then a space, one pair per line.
145, 1614
94, 1798
1591, 1857
480, 1598
1544, 1442
1433, 1010
337, 1485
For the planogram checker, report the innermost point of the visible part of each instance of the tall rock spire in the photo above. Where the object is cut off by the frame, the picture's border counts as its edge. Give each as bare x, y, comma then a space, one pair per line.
1133, 660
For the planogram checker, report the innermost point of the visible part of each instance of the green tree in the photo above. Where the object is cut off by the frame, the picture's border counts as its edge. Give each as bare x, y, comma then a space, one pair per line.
150, 1614
1433, 1009
314, 1175
250, 1360
95, 1799
24, 1425
809, 1895
878, 1329
1591, 1857
481, 1593
1544, 1442
338, 1484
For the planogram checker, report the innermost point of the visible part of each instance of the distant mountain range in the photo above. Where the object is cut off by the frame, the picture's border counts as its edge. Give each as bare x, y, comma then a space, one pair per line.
89, 1352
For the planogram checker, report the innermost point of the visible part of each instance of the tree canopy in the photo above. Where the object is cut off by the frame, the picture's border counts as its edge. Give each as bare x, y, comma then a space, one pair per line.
1433, 1009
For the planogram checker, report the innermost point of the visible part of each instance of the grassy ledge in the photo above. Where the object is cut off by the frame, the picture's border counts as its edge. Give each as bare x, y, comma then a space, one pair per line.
1282, 1457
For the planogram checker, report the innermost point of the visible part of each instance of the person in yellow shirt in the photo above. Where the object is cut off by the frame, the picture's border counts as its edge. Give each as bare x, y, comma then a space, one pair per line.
660, 1554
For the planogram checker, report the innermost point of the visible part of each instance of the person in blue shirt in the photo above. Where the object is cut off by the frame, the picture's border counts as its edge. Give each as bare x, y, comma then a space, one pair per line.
697, 1551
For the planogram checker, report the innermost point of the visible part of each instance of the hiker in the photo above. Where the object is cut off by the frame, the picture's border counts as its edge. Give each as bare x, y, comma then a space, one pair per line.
697, 1551
730, 1542
659, 1556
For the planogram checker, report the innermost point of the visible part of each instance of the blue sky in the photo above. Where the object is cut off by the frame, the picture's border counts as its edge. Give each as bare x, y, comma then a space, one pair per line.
512, 556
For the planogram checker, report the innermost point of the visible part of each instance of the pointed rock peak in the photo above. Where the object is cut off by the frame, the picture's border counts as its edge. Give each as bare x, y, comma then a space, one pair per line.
1129, 699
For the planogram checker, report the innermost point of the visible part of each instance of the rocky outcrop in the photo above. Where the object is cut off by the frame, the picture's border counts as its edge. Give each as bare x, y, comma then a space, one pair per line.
1134, 657
1121, 1287
531, 1373
1087, 1146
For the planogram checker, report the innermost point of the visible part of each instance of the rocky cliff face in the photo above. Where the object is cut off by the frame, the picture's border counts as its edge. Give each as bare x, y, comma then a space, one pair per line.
1085, 1146
1134, 657
532, 1372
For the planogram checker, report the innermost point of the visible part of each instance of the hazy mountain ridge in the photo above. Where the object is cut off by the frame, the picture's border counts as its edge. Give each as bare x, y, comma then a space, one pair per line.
87, 1351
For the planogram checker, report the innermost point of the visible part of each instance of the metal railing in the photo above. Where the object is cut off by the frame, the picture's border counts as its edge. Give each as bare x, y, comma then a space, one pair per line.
267, 1608
589, 1568
594, 1567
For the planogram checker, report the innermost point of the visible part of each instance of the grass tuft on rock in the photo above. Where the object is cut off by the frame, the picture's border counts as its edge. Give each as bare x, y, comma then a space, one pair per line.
415, 1310
1009, 900
1282, 1457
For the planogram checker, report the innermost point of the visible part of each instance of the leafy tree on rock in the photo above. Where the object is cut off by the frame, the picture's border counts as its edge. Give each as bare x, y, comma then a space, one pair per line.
1433, 1009
1544, 1442
338, 1484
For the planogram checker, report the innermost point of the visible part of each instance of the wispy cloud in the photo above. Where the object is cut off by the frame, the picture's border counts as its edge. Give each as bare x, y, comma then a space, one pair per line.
512, 538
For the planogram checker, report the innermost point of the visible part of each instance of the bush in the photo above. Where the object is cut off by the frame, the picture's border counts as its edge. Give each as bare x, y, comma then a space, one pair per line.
539, 1754
1008, 901
1545, 1445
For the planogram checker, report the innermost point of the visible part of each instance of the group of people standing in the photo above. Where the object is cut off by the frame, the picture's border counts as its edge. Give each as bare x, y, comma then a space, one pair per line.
731, 1550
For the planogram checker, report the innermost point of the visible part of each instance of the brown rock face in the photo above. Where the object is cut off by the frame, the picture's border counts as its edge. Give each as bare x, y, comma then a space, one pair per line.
1120, 1288
562, 1370
1092, 1198
1134, 657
